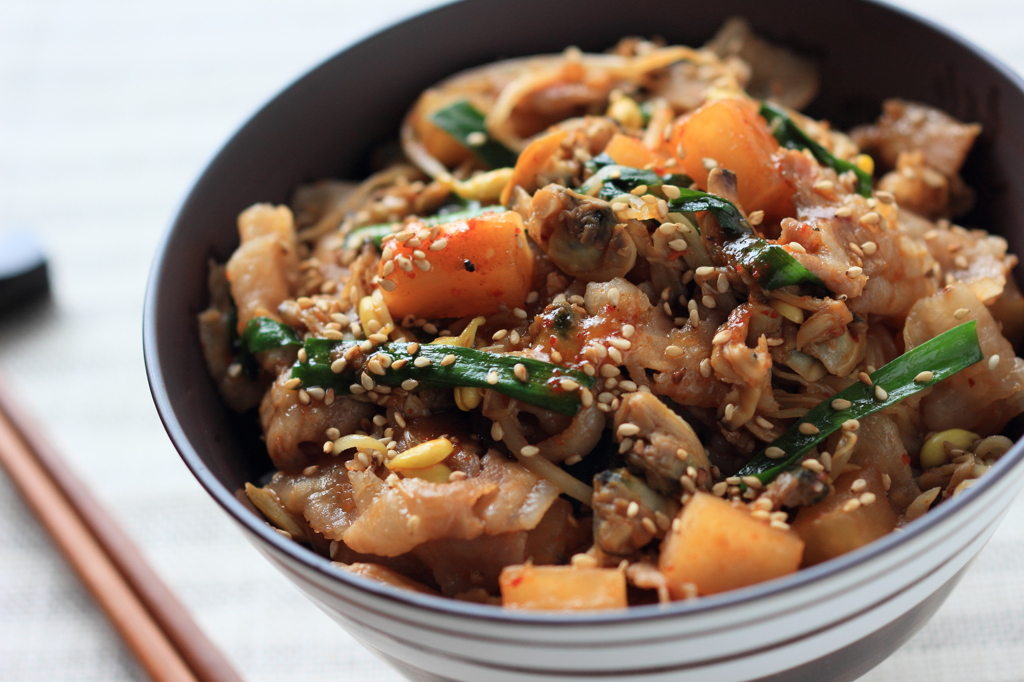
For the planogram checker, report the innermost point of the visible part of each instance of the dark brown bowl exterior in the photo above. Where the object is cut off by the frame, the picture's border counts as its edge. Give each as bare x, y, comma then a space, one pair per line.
326, 124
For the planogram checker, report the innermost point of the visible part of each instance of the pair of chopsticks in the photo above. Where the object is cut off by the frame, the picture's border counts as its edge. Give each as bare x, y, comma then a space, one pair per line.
151, 621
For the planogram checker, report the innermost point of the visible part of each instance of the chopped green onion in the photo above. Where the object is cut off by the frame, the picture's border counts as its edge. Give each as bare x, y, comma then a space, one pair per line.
767, 262
546, 385
942, 356
791, 136
465, 123
262, 334
379, 231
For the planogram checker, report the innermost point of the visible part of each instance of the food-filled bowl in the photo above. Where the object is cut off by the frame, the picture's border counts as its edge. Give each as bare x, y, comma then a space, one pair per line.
834, 620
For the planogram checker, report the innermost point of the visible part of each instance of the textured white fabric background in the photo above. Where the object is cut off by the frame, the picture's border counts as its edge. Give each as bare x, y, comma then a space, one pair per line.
108, 110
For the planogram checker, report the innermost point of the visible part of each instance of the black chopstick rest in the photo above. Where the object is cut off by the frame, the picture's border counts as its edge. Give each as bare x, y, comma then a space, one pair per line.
23, 271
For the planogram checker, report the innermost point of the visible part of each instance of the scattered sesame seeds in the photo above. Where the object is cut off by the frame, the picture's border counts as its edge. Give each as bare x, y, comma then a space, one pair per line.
400, 419
925, 376
615, 355
674, 351
648, 525
840, 404
886, 482
752, 482
421, 362
413, 523
709, 164
755, 218
633, 509
705, 367
613, 296
858, 485
292, 384
824, 186
704, 271
621, 344
855, 271
867, 499
439, 245
960, 313
328, 449
730, 410
569, 385
723, 283
627, 429
519, 313
529, 451
316, 393
448, 360
678, 245
844, 212
813, 465
638, 190
410, 384
779, 525
387, 285
870, 218
719, 488
850, 425
423, 265
721, 337
333, 433
628, 330
586, 397
303, 396
851, 505
763, 423
521, 372
993, 362
881, 394
796, 246
809, 429
709, 301
492, 377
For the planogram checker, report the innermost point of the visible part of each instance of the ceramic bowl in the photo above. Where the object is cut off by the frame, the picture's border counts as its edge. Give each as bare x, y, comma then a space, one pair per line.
830, 622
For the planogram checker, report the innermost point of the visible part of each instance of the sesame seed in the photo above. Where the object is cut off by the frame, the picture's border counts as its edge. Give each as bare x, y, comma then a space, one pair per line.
410, 384
521, 372
809, 429
421, 362
796, 246
705, 367
869, 248
709, 164
851, 505
292, 384
447, 360
613, 296
610, 371
586, 397
399, 364
570, 385
721, 337
356, 389
638, 190
439, 244
519, 312
867, 499
621, 344
303, 396
400, 419
752, 482
497, 432
961, 313
615, 355
648, 525
719, 488
779, 525
855, 271
529, 451
844, 212
513, 338
850, 425
628, 330
763, 423
881, 394
755, 218
886, 482
627, 429
333, 433
723, 283
316, 393
674, 351
476, 138
858, 485
870, 218
730, 410
840, 404
813, 465
824, 186
423, 265
367, 381
761, 514
389, 267
678, 245
492, 377
413, 523
993, 362
328, 449
709, 301
633, 509
387, 285
924, 377
704, 271
774, 452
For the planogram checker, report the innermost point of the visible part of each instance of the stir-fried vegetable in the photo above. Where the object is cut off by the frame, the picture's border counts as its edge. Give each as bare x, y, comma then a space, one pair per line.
921, 367
465, 123
379, 231
769, 263
413, 366
789, 135
610, 179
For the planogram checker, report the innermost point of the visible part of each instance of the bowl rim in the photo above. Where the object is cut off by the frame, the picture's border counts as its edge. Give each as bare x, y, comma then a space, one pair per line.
494, 613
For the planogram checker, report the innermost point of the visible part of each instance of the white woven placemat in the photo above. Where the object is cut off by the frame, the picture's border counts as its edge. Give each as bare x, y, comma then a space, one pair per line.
108, 110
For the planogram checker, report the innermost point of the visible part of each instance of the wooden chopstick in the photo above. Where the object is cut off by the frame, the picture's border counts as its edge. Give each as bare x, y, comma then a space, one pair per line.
151, 621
